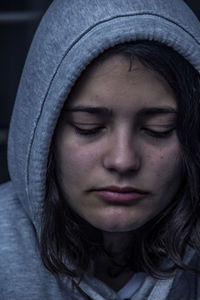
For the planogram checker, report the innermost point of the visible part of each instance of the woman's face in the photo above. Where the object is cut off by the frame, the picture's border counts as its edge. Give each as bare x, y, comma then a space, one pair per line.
118, 157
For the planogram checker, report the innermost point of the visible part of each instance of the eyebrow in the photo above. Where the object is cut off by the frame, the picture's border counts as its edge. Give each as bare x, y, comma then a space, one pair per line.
106, 112
100, 111
154, 111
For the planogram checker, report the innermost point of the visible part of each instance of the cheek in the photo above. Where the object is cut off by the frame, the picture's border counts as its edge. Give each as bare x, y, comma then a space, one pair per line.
166, 165
75, 161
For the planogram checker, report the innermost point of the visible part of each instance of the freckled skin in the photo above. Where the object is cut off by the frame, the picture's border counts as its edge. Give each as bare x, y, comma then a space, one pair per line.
122, 153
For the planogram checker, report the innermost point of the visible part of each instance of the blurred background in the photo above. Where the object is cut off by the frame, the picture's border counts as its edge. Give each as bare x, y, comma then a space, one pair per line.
18, 22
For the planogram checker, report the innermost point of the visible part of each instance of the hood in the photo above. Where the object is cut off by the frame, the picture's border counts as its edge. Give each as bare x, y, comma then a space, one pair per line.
71, 34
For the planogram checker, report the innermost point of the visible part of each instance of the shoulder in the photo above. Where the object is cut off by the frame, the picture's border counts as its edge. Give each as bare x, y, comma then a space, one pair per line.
6, 190
17, 233
11, 209
187, 283
15, 225
7, 195
22, 275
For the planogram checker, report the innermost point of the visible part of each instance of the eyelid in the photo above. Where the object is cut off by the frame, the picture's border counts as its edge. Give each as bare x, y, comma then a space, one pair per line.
160, 129
159, 134
87, 131
86, 125
170, 125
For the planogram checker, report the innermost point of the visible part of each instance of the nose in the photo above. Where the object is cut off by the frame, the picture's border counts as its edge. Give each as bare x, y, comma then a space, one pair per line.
122, 155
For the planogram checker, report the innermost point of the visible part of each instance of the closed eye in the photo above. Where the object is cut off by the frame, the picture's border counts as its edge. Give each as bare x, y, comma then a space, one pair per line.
159, 134
87, 131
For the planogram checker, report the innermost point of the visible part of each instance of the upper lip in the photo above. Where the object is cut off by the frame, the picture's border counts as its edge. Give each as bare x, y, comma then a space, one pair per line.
119, 189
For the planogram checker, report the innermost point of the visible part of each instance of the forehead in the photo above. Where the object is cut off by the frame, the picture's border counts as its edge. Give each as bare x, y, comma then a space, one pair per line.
117, 81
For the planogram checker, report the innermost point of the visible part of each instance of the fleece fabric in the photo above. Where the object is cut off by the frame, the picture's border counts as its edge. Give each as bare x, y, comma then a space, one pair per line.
71, 34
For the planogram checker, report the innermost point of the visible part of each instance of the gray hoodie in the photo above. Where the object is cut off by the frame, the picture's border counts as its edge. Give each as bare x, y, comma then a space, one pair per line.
71, 34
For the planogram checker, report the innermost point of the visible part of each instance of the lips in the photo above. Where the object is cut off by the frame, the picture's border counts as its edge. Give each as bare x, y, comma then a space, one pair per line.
118, 194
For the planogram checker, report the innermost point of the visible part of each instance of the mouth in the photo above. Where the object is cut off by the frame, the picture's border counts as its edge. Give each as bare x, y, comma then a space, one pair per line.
120, 195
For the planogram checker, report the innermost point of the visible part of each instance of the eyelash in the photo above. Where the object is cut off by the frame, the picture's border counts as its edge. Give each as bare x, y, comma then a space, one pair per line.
93, 131
159, 135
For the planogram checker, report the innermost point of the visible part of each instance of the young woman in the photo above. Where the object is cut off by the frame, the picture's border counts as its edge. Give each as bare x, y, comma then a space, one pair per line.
104, 156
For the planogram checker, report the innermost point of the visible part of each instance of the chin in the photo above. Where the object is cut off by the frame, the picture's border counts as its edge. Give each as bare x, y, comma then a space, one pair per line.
119, 226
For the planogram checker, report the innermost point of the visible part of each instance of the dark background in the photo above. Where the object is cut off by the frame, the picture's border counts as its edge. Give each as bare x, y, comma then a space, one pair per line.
18, 22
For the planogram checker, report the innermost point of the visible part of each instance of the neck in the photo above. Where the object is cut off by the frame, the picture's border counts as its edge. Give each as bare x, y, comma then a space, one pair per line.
111, 267
116, 244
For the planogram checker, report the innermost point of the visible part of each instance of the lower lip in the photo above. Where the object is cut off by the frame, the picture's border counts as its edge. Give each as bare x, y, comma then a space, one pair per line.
116, 197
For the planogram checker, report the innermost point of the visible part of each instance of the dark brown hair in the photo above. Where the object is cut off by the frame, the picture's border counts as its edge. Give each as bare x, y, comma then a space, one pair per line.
68, 243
